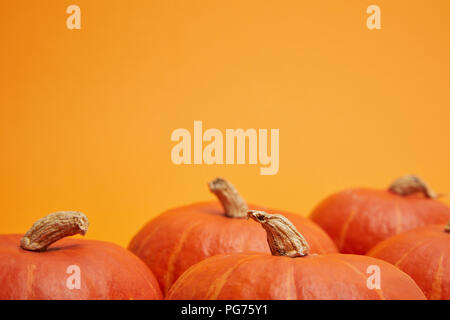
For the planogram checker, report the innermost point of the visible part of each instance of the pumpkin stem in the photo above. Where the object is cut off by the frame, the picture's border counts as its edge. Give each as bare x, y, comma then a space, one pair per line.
410, 184
447, 227
282, 237
52, 228
232, 202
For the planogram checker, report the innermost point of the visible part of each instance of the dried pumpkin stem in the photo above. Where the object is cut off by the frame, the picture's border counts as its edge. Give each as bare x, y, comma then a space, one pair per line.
52, 228
447, 227
282, 237
410, 184
232, 202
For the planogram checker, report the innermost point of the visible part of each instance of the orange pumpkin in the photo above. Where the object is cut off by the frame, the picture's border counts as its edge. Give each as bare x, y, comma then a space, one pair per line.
424, 254
72, 268
357, 219
181, 237
291, 272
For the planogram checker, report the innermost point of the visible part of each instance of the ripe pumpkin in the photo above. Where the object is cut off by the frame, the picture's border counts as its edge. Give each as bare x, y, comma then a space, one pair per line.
291, 272
31, 269
424, 254
181, 237
357, 219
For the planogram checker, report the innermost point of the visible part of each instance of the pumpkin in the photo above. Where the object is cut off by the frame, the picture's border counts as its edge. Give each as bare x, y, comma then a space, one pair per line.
424, 254
291, 272
32, 268
181, 237
357, 219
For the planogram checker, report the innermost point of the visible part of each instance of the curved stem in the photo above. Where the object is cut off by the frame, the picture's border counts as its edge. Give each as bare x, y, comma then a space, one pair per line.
282, 237
52, 228
232, 202
410, 184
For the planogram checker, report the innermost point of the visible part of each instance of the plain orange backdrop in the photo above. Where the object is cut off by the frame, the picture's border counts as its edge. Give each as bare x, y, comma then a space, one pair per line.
86, 115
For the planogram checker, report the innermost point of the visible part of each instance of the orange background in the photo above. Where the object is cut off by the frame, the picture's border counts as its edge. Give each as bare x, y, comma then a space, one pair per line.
86, 115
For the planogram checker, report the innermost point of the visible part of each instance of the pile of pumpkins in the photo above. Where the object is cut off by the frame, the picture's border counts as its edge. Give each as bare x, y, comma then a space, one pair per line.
356, 244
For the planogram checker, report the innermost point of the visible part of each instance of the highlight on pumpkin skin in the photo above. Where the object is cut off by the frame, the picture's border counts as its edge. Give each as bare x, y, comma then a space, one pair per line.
282, 237
52, 228
232, 202
411, 184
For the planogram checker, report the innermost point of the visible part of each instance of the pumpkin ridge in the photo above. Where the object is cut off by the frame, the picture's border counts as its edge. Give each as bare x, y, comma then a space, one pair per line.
168, 281
422, 254
405, 255
141, 243
249, 276
217, 286
217, 233
343, 233
436, 284
184, 277
349, 265
30, 280
108, 271
382, 213
378, 248
399, 213
291, 280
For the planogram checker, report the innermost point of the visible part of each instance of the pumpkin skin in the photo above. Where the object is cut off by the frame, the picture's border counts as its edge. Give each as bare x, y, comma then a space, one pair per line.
42, 265
258, 276
358, 219
424, 254
291, 272
107, 272
181, 237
